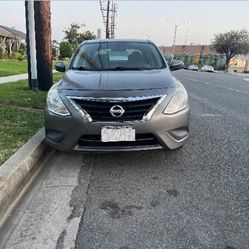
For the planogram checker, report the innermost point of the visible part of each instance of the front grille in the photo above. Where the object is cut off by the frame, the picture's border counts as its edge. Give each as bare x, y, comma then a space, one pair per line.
99, 110
94, 141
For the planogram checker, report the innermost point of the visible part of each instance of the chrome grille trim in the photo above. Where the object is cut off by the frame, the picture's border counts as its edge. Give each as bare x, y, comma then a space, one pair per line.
87, 117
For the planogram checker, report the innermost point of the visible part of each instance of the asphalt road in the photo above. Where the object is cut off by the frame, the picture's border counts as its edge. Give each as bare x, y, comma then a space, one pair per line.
196, 197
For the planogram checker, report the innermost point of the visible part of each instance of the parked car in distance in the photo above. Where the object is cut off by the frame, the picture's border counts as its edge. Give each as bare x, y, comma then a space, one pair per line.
193, 68
117, 95
186, 66
176, 65
207, 68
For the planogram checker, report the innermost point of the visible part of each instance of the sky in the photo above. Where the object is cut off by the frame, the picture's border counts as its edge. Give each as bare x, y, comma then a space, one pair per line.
142, 19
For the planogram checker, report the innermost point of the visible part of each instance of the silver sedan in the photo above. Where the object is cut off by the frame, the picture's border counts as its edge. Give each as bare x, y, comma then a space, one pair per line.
117, 95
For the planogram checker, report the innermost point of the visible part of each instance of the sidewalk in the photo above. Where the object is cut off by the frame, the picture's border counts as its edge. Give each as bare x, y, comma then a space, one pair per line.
233, 73
12, 78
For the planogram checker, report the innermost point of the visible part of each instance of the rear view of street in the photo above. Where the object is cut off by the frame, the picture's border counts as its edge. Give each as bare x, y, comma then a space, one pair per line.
194, 197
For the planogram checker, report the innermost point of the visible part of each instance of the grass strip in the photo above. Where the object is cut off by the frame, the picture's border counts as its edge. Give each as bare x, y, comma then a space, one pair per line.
21, 115
12, 67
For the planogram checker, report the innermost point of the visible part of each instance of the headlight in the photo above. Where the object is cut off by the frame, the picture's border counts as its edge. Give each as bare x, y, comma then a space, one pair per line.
179, 101
54, 102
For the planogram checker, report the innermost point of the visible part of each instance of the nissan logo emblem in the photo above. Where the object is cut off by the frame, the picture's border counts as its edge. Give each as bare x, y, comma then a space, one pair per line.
117, 111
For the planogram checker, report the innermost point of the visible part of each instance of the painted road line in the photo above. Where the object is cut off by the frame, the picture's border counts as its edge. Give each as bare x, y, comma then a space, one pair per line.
210, 115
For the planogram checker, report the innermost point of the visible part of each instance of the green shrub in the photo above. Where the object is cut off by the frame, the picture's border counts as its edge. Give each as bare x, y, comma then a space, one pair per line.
66, 49
18, 56
220, 67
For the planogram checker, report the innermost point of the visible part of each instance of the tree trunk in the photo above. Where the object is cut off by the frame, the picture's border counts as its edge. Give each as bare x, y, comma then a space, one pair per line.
10, 46
228, 58
43, 44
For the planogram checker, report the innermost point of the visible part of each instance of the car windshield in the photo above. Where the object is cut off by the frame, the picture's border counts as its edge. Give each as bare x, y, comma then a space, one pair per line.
117, 56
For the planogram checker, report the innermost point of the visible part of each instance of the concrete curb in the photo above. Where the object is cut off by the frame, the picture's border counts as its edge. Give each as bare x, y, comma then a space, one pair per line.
16, 172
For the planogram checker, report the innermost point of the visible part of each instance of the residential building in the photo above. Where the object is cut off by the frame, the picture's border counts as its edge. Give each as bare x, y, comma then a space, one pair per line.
188, 49
204, 54
11, 39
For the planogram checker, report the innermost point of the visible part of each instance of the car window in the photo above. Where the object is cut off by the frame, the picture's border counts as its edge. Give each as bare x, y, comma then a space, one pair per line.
117, 56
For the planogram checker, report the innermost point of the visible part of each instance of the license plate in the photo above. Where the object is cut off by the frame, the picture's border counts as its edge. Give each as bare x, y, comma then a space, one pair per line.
117, 134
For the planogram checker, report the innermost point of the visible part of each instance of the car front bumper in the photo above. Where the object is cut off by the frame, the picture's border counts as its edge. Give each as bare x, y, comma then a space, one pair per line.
164, 131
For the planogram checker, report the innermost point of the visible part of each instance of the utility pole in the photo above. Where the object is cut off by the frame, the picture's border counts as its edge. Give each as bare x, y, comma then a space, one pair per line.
109, 9
31, 45
43, 44
107, 20
113, 17
174, 42
28, 45
175, 31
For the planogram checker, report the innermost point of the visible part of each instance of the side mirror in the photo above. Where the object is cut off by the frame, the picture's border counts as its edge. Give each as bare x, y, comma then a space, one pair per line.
176, 65
60, 67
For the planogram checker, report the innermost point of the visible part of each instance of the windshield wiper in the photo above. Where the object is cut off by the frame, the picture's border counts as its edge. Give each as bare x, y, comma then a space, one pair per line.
119, 68
84, 69
79, 68
126, 68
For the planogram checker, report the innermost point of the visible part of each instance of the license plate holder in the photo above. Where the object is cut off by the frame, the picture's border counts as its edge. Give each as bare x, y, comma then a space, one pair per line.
117, 134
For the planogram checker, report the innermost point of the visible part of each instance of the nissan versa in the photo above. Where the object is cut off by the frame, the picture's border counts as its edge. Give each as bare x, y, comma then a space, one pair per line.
117, 95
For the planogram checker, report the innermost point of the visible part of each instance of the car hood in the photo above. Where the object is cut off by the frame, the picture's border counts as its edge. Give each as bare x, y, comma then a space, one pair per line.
117, 80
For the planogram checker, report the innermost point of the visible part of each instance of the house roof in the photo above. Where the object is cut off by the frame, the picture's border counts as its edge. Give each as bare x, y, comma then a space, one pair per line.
9, 32
5, 33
